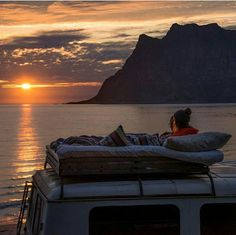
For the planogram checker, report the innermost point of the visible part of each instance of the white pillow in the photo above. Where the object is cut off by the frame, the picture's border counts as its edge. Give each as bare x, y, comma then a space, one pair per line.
199, 142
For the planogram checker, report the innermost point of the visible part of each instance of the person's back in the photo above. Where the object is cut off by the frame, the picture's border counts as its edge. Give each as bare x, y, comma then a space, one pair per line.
180, 123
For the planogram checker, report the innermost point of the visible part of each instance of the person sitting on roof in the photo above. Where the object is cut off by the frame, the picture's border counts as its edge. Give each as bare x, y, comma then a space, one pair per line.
179, 125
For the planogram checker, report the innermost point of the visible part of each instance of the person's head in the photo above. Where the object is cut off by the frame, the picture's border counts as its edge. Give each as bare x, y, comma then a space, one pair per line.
180, 119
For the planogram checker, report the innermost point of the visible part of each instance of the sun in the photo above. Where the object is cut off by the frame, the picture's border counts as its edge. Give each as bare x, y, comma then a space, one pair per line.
25, 86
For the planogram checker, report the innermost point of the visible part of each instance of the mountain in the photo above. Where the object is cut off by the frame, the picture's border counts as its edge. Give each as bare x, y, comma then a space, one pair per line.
191, 64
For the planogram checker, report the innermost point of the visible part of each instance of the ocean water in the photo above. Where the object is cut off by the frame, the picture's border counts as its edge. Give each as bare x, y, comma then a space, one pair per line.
26, 129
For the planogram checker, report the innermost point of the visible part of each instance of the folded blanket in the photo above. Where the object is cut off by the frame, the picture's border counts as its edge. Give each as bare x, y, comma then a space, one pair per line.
86, 140
83, 140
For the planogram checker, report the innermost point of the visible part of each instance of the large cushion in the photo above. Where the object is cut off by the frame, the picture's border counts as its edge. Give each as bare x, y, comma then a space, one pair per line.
199, 142
116, 138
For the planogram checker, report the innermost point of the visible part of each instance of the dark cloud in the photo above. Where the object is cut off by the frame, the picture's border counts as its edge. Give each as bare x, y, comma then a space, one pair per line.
60, 56
47, 40
123, 35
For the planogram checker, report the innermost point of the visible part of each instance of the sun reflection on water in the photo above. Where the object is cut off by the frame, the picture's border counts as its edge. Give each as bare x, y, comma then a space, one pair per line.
27, 144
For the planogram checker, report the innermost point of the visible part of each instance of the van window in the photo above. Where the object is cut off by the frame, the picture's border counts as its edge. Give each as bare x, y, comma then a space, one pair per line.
218, 219
148, 220
37, 218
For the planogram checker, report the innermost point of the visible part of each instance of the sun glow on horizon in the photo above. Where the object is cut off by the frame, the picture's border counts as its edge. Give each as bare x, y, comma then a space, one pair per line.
26, 86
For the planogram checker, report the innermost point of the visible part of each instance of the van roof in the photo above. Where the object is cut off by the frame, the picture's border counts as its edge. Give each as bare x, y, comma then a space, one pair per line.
224, 176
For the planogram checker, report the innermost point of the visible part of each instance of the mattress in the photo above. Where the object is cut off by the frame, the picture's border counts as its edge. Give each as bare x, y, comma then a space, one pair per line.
74, 160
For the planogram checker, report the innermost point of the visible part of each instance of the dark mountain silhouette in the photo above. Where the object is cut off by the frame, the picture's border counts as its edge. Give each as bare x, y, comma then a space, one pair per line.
191, 64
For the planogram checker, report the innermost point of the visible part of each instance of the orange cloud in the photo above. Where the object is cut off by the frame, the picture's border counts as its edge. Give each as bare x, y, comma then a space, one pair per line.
3, 81
101, 19
117, 61
17, 53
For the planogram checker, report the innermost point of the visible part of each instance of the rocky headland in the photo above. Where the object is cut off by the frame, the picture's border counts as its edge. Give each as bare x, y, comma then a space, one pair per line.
191, 64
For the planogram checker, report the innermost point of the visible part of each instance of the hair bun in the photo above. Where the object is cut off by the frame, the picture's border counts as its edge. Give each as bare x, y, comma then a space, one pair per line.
188, 111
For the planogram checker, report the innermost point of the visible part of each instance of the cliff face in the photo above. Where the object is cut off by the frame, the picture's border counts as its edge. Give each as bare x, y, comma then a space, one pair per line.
191, 64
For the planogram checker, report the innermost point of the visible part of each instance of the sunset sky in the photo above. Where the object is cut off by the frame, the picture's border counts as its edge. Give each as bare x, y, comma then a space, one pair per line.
65, 50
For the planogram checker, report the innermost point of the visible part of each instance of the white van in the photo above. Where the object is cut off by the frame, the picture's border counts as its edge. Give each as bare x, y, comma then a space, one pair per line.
134, 205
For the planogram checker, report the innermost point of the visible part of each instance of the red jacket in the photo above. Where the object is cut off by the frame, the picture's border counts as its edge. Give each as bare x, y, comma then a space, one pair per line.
185, 131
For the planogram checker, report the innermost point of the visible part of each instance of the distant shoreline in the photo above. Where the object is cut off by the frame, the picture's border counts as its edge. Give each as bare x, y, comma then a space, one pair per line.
161, 104
154, 104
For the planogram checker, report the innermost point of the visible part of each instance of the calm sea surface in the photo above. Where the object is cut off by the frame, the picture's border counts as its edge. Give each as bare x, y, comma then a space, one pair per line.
26, 129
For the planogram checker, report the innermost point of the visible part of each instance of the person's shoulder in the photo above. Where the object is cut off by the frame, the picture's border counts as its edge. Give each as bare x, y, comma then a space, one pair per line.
186, 131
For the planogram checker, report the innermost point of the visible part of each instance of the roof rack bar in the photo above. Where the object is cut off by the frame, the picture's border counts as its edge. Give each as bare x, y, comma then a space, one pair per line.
213, 191
140, 186
62, 188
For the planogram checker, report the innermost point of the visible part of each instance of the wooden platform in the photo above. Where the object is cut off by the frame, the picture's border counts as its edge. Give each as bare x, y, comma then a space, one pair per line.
120, 165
